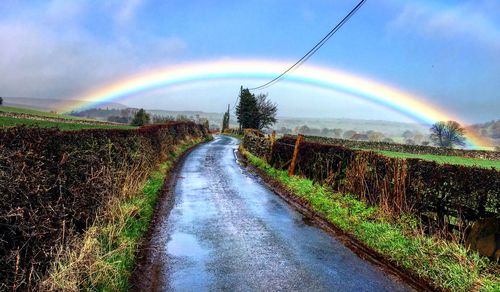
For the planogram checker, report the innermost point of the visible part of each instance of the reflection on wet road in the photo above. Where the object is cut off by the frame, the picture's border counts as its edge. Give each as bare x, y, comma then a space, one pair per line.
226, 231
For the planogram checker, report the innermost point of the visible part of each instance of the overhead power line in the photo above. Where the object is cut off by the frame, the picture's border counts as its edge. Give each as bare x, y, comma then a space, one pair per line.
314, 49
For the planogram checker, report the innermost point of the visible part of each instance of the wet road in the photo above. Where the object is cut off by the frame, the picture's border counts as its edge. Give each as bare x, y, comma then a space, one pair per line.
226, 231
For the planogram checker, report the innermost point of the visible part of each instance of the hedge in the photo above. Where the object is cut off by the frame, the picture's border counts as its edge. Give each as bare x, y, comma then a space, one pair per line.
53, 183
442, 195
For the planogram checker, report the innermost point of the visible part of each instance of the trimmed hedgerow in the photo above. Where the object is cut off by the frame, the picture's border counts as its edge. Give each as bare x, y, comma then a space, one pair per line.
53, 183
443, 195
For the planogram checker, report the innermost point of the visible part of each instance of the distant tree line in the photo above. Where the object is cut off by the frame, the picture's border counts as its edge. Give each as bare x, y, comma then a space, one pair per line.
160, 119
442, 134
370, 135
142, 118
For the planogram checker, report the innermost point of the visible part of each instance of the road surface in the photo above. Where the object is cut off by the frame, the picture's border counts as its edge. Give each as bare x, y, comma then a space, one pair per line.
227, 231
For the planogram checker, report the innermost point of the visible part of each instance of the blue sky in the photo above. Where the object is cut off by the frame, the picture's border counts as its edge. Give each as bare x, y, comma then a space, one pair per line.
448, 53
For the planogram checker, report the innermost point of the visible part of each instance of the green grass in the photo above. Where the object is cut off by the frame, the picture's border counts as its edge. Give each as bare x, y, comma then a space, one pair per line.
121, 247
11, 122
443, 159
448, 264
18, 110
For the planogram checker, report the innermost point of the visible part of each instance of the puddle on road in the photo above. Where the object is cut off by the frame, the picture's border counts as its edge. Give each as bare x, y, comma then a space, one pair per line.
185, 245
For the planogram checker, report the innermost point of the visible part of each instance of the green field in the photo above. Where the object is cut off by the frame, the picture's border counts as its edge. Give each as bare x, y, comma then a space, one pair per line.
11, 122
71, 124
18, 110
445, 159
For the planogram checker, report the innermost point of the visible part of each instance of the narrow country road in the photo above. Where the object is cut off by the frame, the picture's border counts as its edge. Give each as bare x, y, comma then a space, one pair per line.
227, 231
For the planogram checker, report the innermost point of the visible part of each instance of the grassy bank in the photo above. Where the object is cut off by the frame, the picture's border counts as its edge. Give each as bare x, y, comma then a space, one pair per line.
447, 264
104, 257
65, 126
443, 159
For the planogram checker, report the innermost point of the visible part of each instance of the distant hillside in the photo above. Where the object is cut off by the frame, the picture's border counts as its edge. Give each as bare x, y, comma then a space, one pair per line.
387, 127
397, 131
125, 115
46, 104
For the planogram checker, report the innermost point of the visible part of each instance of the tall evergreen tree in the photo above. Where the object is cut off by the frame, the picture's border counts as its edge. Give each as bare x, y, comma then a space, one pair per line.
246, 111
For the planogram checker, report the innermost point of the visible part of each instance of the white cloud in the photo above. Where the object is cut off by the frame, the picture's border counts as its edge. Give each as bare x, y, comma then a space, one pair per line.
469, 20
35, 63
53, 55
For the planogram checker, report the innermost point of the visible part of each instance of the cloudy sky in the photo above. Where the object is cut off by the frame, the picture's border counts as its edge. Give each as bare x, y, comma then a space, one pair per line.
448, 52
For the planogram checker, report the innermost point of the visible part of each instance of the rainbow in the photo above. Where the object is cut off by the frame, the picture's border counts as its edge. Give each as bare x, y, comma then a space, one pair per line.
388, 96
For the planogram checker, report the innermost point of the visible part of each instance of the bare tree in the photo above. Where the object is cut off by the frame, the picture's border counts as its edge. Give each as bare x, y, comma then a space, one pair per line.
266, 110
447, 134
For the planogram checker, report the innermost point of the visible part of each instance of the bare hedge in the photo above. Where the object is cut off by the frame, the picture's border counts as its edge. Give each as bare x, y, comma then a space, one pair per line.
443, 195
52, 184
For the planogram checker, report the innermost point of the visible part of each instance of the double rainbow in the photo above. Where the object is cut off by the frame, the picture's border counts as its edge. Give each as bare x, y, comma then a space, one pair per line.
327, 78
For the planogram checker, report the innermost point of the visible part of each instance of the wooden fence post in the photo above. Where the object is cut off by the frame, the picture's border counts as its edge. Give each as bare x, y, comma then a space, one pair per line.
291, 170
270, 151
